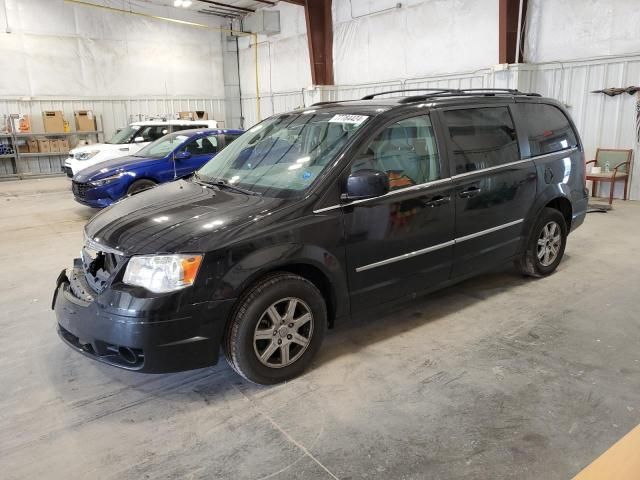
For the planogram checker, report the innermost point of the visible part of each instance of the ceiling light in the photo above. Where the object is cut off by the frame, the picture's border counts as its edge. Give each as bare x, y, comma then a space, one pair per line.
186, 3
177, 3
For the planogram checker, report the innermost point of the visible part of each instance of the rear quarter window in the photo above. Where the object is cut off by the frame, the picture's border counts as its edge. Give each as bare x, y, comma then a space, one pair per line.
546, 128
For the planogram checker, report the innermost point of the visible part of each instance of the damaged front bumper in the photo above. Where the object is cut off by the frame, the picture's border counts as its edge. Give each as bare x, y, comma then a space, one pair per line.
145, 334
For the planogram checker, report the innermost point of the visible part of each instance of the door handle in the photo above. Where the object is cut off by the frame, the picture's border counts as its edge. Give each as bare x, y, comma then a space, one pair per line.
470, 192
124, 149
437, 201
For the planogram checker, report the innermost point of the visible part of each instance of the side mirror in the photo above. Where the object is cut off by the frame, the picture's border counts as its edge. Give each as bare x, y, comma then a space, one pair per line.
366, 183
183, 155
138, 140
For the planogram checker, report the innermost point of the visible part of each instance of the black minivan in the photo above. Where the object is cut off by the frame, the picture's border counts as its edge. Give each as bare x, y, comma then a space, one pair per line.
321, 214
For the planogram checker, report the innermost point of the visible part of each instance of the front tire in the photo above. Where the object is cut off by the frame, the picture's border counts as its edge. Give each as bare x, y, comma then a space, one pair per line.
140, 186
276, 329
545, 246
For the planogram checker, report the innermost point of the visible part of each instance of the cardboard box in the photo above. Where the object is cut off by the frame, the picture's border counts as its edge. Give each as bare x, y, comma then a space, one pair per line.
22, 146
195, 115
64, 145
20, 123
53, 121
43, 145
85, 121
32, 143
54, 145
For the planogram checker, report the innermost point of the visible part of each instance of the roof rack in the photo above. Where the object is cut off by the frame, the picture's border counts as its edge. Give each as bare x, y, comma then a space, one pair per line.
450, 92
468, 92
371, 96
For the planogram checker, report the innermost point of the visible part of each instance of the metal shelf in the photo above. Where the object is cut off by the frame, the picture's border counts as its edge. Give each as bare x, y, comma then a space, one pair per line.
61, 134
8, 155
45, 154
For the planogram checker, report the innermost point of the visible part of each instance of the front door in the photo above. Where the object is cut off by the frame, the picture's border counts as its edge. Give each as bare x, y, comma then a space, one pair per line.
401, 242
201, 149
493, 188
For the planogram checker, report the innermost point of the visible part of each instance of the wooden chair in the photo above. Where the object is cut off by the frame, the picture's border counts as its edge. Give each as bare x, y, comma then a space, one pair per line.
620, 169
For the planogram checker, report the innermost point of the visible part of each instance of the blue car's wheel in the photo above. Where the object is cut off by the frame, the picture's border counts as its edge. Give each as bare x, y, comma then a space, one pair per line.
140, 185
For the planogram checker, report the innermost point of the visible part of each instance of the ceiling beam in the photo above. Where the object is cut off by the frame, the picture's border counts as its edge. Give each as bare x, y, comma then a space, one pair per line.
226, 5
266, 1
300, 3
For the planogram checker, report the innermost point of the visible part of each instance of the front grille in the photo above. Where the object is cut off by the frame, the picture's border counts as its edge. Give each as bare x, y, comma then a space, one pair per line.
79, 189
99, 265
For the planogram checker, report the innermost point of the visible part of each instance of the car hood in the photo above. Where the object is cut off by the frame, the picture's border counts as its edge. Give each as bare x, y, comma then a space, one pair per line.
97, 146
180, 216
110, 167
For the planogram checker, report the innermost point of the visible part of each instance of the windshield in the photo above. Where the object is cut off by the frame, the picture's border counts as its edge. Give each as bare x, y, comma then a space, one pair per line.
283, 155
163, 146
124, 136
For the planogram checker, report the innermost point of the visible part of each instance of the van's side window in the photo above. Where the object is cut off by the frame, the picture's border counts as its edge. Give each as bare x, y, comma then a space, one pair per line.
406, 151
481, 138
548, 129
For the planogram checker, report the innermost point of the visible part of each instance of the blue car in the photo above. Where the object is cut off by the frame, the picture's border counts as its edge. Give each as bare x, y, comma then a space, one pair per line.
173, 156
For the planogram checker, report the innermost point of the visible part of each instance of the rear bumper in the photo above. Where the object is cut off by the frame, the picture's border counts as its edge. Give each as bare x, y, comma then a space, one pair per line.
171, 343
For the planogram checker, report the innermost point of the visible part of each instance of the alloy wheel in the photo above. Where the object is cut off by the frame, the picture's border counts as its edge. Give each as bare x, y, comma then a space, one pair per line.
283, 332
549, 243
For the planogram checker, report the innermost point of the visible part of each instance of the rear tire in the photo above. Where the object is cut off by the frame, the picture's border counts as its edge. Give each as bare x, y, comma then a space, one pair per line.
276, 329
545, 246
140, 186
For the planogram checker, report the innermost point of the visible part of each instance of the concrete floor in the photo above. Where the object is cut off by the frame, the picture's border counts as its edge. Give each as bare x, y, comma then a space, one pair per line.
499, 377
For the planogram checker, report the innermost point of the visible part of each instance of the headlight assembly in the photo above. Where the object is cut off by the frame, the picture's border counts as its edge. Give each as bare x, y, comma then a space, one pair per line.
86, 155
162, 273
104, 181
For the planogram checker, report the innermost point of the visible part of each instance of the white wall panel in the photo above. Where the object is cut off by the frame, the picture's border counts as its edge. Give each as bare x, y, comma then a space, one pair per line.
578, 29
374, 41
61, 49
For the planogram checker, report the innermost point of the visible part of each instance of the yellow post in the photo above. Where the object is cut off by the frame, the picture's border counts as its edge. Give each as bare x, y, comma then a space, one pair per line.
254, 36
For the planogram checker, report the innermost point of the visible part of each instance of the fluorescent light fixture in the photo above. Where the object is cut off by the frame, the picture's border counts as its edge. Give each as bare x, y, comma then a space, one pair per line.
177, 3
186, 3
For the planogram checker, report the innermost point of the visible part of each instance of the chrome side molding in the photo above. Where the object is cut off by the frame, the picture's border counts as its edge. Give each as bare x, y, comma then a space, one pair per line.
439, 246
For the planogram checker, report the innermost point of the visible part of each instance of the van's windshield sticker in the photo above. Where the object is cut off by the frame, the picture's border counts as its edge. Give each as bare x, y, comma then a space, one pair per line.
353, 119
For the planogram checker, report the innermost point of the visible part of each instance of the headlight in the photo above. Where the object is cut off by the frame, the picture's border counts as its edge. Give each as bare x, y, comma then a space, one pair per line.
104, 181
162, 273
86, 155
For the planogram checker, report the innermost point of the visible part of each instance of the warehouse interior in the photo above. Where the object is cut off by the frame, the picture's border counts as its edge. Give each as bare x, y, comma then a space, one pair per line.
498, 376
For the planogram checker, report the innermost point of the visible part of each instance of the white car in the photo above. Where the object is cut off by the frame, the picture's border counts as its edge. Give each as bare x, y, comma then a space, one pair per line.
127, 142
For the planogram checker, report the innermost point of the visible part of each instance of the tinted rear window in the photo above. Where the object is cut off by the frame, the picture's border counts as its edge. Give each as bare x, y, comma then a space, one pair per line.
546, 127
481, 138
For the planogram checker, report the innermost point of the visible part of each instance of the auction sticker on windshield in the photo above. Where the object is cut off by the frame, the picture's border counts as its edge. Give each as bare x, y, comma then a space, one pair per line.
352, 119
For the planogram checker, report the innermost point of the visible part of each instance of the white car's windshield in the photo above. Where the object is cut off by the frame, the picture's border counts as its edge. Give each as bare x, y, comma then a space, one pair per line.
162, 147
283, 155
124, 136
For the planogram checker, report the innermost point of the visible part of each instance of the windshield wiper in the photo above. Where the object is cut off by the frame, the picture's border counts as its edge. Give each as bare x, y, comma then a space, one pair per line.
222, 183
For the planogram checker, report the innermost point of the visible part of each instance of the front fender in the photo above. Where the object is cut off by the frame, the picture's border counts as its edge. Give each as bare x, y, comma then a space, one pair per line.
255, 265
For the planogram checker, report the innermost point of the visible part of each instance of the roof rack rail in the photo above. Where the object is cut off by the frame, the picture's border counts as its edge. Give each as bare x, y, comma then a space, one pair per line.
328, 102
371, 96
468, 92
